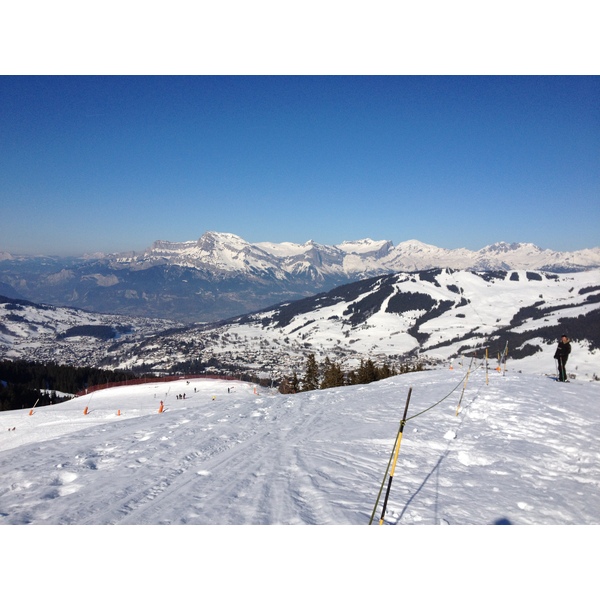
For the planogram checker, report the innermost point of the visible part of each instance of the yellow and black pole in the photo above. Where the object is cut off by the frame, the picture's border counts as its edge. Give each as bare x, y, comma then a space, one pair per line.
396, 451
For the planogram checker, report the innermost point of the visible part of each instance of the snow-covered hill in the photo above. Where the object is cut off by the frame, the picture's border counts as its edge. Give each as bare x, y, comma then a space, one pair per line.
431, 316
477, 448
45, 333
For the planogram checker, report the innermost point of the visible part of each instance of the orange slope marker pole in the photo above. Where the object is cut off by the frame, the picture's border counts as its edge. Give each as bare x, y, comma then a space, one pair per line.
31, 411
86, 410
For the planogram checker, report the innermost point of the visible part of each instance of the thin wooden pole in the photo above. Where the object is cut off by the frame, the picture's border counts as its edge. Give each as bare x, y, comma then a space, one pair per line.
396, 452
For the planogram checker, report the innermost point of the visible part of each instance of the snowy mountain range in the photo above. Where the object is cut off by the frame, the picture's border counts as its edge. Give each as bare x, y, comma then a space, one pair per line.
358, 259
221, 275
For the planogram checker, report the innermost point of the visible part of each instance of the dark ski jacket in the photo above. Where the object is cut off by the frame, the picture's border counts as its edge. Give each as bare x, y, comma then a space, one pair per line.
563, 350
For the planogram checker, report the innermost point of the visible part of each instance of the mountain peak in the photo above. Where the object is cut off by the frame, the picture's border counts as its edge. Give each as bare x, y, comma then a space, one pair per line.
505, 247
366, 247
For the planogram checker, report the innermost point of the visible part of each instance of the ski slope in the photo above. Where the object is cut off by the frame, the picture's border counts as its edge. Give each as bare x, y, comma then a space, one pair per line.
522, 450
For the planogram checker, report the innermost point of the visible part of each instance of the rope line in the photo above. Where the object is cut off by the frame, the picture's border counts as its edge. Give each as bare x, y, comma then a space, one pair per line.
396, 447
444, 398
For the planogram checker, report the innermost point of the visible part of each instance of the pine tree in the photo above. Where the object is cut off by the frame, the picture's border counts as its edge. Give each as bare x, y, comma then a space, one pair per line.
384, 372
295, 383
366, 372
351, 378
285, 387
332, 375
311, 375
289, 386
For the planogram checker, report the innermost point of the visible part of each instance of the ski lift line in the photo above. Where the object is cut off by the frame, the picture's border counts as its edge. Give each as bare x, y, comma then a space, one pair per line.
403, 422
397, 451
387, 470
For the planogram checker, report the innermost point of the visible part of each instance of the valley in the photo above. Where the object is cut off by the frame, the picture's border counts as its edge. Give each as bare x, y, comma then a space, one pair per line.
429, 318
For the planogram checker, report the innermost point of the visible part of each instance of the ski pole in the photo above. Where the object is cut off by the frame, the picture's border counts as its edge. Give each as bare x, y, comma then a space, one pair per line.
397, 451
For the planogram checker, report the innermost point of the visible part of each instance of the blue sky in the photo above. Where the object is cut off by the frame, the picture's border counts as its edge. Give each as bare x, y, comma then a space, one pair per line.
101, 163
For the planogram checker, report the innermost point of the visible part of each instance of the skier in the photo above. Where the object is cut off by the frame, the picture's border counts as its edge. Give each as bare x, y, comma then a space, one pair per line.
562, 355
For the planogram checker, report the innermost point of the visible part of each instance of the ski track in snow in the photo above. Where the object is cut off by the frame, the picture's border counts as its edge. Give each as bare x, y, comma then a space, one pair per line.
522, 450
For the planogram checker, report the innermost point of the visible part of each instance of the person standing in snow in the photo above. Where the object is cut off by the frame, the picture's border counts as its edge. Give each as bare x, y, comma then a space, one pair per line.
561, 355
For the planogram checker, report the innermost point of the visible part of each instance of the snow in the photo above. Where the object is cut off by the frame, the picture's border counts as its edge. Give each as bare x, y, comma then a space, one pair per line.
232, 453
283, 249
366, 246
522, 449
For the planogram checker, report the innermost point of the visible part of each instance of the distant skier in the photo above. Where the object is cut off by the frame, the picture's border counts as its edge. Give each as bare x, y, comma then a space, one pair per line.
562, 355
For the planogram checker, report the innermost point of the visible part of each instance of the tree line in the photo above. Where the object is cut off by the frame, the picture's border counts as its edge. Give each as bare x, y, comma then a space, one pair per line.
24, 383
330, 374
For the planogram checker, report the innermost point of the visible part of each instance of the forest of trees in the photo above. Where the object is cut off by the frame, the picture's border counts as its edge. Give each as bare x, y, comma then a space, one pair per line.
330, 374
23, 383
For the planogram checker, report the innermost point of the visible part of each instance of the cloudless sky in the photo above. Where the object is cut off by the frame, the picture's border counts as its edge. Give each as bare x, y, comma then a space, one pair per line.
113, 163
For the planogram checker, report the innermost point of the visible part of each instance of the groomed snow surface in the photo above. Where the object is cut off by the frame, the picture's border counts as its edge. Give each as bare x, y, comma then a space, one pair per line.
522, 450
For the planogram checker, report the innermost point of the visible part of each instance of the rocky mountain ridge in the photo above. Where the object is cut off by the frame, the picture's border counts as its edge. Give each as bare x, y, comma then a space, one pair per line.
232, 253
221, 275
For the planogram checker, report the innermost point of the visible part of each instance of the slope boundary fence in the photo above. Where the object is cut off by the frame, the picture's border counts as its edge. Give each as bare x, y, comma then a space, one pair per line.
396, 447
143, 380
